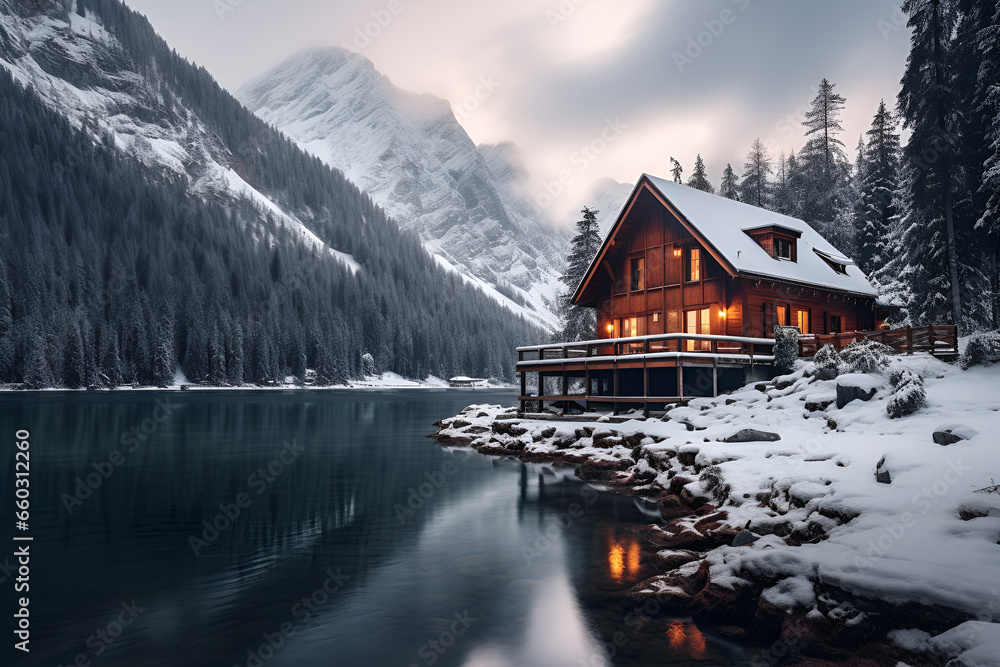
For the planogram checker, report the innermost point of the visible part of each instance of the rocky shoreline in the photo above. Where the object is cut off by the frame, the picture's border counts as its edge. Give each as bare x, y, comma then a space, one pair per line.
808, 621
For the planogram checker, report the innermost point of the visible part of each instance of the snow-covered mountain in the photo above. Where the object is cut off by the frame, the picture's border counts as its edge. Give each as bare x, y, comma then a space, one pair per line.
608, 197
409, 152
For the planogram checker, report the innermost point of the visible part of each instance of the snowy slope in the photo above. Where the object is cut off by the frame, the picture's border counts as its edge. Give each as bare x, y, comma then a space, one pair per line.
415, 160
79, 70
608, 196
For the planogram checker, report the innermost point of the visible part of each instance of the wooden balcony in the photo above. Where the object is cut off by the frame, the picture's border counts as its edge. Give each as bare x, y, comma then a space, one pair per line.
644, 370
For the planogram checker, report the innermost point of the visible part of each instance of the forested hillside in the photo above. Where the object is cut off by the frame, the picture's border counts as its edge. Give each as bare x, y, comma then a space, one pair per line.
116, 271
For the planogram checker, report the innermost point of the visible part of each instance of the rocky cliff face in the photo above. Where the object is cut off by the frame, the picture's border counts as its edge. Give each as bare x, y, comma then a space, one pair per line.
409, 152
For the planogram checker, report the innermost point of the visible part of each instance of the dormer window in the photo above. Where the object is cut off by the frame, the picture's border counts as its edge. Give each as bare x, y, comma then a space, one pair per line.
777, 241
783, 249
838, 264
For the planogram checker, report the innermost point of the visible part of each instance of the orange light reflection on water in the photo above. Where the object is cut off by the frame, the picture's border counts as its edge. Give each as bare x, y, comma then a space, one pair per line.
687, 638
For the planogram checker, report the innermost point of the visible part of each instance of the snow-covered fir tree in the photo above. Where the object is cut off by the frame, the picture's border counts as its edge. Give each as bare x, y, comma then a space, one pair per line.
755, 188
676, 170
699, 177
988, 40
730, 185
879, 183
580, 323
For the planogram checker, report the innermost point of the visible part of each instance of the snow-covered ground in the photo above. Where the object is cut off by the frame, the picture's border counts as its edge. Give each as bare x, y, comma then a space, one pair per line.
930, 536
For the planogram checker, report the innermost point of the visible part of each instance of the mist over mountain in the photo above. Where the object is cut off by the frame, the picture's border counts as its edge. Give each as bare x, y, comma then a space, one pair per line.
470, 206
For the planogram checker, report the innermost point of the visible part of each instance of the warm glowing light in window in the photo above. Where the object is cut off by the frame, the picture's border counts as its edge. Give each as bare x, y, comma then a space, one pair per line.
722, 313
687, 638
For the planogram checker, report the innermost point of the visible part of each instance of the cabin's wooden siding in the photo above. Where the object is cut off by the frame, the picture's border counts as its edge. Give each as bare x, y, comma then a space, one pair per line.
651, 232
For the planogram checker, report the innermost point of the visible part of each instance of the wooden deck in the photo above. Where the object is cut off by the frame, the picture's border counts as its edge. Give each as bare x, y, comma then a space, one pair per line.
652, 371
939, 340
643, 371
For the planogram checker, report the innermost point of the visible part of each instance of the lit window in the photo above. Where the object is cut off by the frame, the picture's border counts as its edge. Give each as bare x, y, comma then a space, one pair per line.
694, 265
803, 321
638, 274
783, 248
630, 327
656, 317
781, 316
698, 322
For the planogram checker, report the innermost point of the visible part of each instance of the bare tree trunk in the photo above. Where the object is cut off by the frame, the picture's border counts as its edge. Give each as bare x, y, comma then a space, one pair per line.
956, 294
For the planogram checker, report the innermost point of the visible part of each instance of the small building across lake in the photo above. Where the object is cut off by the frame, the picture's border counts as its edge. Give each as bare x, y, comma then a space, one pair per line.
688, 287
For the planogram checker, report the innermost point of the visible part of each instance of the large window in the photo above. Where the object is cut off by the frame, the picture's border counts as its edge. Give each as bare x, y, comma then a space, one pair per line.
836, 325
694, 267
698, 322
802, 320
628, 327
638, 274
781, 316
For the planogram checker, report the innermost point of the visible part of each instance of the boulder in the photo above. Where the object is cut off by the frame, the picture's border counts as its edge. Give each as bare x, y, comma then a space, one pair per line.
949, 435
743, 538
855, 387
882, 475
752, 435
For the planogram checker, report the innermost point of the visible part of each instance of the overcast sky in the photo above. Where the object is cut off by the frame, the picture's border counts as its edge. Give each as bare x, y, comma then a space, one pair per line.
681, 76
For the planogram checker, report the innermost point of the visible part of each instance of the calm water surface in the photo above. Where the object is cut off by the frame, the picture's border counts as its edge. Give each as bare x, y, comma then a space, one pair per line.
281, 529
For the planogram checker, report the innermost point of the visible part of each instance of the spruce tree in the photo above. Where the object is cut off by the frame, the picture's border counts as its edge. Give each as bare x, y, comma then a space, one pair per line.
988, 107
879, 185
823, 161
730, 186
755, 188
928, 105
699, 177
580, 323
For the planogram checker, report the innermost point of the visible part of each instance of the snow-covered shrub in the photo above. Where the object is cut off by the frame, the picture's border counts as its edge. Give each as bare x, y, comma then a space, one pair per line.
711, 480
865, 355
368, 364
908, 395
828, 363
982, 349
786, 348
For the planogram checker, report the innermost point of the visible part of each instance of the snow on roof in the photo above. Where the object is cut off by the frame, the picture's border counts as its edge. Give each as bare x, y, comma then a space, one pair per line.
724, 223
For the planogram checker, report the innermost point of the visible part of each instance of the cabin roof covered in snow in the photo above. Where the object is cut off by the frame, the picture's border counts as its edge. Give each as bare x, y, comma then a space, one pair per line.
723, 224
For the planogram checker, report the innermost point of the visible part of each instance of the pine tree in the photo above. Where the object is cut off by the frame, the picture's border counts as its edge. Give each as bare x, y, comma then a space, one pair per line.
755, 188
988, 81
699, 177
781, 192
580, 323
730, 186
928, 106
823, 161
879, 185
676, 170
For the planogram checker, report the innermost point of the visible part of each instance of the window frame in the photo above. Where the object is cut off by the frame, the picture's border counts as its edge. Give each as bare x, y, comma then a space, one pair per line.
694, 258
637, 274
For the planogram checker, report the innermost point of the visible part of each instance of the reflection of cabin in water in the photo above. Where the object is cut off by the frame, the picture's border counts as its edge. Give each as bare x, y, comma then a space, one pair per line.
462, 382
688, 287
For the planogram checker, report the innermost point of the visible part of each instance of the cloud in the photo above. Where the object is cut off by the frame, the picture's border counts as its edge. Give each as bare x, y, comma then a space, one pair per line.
687, 78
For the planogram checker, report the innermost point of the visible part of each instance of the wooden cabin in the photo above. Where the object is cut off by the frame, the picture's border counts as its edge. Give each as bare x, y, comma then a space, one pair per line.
688, 288
682, 260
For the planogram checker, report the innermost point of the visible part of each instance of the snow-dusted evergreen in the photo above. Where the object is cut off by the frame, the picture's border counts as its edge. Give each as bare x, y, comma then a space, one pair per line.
580, 323
472, 207
755, 188
879, 184
699, 177
730, 187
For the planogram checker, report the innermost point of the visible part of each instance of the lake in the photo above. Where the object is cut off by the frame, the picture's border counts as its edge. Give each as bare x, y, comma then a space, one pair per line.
319, 528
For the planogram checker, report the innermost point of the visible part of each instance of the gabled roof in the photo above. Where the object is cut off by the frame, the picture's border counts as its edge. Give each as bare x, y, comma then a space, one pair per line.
721, 225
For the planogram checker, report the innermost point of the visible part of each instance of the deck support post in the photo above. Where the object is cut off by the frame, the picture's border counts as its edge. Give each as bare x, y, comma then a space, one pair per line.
715, 377
524, 389
586, 389
645, 390
565, 389
680, 379
616, 404
909, 340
